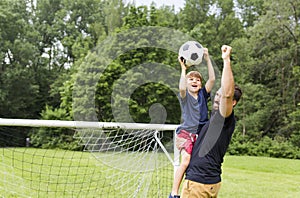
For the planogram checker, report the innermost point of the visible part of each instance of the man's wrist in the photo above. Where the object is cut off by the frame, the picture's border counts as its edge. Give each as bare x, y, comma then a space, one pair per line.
226, 60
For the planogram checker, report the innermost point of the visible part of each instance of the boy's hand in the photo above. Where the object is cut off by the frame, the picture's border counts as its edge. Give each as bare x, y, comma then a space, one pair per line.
181, 63
205, 54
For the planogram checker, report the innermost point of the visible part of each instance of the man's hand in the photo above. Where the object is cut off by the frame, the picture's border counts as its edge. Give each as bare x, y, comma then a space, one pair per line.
226, 50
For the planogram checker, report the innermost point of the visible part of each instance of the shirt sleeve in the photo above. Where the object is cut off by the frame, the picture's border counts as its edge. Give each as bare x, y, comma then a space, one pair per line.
182, 100
204, 92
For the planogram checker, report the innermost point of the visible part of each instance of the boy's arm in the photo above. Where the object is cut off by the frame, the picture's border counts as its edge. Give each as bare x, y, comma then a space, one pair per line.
227, 84
182, 81
211, 73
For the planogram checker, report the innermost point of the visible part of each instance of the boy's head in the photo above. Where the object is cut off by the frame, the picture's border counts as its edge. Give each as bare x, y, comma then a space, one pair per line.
194, 74
194, 81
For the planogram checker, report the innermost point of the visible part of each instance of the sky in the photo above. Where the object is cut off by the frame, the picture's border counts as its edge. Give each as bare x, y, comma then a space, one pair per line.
177, 3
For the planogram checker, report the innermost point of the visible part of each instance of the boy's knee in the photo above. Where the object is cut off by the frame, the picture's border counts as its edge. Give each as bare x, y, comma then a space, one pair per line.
185, 160
184, 164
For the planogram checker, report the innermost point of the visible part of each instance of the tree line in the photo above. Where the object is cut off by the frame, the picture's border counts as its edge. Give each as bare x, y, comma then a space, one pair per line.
53, 64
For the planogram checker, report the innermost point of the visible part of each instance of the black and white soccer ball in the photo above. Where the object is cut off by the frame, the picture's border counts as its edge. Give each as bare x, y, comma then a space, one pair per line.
191, 52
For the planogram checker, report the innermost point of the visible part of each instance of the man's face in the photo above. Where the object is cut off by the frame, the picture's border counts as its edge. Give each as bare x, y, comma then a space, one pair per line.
217, 100
193, 84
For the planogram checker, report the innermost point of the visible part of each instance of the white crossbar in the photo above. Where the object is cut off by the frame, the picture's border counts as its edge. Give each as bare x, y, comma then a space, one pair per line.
83, 124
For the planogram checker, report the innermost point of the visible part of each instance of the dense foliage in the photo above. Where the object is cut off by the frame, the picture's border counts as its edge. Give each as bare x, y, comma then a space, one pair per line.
64, 59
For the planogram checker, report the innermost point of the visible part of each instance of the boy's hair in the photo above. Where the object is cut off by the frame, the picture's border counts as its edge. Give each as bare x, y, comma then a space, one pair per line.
194, 74
237, 93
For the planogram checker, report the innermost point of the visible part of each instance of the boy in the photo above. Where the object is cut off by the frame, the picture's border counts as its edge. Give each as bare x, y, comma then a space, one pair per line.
193, 100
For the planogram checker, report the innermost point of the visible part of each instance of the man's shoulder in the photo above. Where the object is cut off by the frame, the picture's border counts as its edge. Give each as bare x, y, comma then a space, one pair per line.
217, 116
230, 117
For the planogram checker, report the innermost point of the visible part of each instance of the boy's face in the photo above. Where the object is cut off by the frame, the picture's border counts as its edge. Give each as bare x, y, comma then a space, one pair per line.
193, 84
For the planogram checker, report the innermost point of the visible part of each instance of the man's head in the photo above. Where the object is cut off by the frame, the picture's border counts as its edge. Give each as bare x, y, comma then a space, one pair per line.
194, 81
237, 94
236, 97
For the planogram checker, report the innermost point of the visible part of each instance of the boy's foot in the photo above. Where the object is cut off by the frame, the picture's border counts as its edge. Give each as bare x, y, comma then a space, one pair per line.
175, 196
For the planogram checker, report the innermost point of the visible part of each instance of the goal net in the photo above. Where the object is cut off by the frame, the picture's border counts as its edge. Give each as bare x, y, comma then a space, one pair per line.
117, 159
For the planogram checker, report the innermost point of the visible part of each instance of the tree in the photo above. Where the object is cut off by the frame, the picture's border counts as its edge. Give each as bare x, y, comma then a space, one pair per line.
270, 58
249, 11
194, 12
220, 27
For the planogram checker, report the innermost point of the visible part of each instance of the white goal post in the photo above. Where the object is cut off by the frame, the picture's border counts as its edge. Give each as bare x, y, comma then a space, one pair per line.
131, 158
83, 124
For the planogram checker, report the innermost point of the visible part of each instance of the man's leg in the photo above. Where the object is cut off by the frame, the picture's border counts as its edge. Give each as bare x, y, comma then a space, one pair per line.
192, 189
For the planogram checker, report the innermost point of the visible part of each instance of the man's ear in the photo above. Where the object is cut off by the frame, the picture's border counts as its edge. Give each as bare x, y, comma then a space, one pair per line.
234, 103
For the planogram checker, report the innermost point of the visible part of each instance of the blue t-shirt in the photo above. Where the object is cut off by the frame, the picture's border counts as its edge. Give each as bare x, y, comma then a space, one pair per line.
194, 111
209, 150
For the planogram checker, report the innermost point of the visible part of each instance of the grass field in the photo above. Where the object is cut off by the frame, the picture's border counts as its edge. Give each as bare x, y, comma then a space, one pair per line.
52, 173
260, 177
28, 172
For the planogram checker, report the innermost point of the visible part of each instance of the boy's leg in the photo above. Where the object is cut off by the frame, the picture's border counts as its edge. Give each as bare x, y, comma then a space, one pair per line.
185, 160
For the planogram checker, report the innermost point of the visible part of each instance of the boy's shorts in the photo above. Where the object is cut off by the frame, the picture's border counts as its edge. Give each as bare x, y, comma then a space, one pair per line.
190, 139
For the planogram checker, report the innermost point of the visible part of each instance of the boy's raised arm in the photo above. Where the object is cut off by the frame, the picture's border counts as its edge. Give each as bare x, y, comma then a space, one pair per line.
211, 73
182, 81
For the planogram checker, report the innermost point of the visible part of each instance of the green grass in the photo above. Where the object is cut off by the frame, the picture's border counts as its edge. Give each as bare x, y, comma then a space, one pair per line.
54, 173
260, 177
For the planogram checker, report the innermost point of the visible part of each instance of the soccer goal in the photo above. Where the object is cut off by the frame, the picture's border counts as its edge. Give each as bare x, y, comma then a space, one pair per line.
117, 160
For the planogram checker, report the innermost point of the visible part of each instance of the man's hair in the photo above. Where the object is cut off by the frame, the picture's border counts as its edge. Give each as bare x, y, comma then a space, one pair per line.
237, 93
194, 74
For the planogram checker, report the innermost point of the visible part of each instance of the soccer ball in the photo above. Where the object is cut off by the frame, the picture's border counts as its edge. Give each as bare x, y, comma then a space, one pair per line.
191, 52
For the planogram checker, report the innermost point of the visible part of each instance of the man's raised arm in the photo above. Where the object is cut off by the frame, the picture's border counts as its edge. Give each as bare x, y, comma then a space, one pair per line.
227, 83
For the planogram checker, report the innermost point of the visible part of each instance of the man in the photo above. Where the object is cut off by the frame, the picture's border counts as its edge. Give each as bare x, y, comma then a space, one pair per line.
203, 175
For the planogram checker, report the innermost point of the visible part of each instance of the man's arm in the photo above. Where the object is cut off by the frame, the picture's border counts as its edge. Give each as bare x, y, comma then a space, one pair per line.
227, 84
211, 73
182, 81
